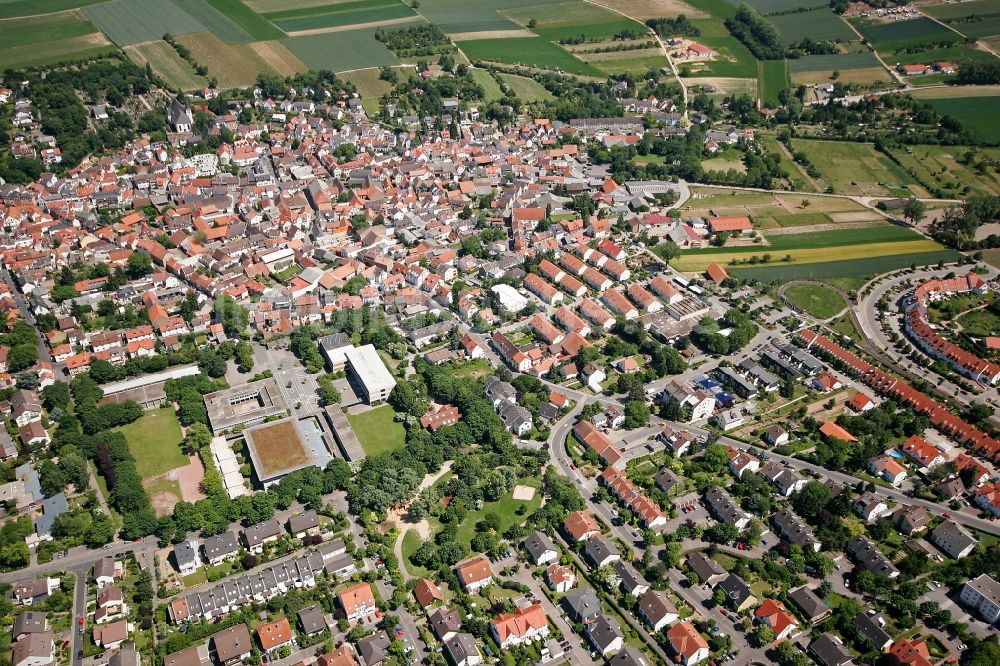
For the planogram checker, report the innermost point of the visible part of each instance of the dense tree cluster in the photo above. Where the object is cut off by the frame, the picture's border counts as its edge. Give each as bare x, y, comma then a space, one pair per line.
757, 33
957, 227
421, 40
978, 72
707, 334
673, 27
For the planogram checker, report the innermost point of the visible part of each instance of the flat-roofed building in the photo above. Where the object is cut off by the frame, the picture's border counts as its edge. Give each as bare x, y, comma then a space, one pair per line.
246, 404
278, 448
369, 374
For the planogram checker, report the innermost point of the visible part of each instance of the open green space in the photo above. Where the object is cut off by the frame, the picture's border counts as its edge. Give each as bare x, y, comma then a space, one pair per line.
348, 13
952, 53
135, 21
781, 272
341, 51
12, 8
734, 59
43, 29
772, 78
901, 34
855, 168
491, 89
411, 543
378, 431
693, 261
772, 6
527, 51
980, 323
527, 89
820, 24
819, 300
82, 47
155, 442
977, 114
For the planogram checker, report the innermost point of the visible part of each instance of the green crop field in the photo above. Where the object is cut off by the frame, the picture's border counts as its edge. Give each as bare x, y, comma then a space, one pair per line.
491, 89
566, 20
527, 51
210, 17
886, 37
378, 431
136, 21
341, 51
772, 78
637, 63
473, 15
818, 300
165, 62
839, 61
349, 13
855, 168
952, 53
977, 114
976, 18
883, 232
771, 6
13, 8
43, 29
155, 442
781, 272
820, 24
257, 26
527, 89
81, 47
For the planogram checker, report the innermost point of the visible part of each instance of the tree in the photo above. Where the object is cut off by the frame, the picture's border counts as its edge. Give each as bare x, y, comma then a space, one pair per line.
198, 437
763, 634
809, 501
636, 414
234, 317
51, 478
102, 531
244, 356
983, 653
22, 356
914, 210
139, 264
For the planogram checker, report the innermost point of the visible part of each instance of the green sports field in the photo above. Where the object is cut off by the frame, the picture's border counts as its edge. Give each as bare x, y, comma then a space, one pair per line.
527, 51
155, 442
378, 431
818, 300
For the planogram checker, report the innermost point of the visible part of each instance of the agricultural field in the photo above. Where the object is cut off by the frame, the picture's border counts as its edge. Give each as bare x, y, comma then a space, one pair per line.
779, 211
527, 89
175, 72
279, 58
952, 53
859, 68
722, 86
259, 28
978, 114
855, 168
215, 21
941, 165
795, 176
637, 61
528, 51
769, 6
340, 14
734, 59
641, 10
491, 89
233, 65
820, 24
567, 20
72, 48
819, 300
772, 78
473, 15
342, 51
977, 18
136, 21
14, 8
782, 272
368, 83
886, 37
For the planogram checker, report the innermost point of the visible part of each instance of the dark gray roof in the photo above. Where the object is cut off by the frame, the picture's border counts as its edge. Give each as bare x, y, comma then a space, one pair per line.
311, 619
603, 631
537, 544
871, 630
221, 545
809, 603
375, 648
461, 646
582, 604
599, 549
705, 567
828, 651
736, 589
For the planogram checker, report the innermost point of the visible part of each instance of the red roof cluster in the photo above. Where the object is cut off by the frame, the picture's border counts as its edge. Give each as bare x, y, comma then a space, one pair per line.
942, 419
632, 497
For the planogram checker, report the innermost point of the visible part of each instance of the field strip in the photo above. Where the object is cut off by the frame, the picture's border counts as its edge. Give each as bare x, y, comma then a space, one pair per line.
947, 92
355, 26
808, 229
693, 262
491, 34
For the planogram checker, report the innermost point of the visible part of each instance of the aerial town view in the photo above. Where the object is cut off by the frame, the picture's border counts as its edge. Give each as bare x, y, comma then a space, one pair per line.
515, 332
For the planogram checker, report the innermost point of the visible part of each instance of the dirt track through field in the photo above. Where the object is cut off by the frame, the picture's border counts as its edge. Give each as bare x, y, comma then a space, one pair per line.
353, 26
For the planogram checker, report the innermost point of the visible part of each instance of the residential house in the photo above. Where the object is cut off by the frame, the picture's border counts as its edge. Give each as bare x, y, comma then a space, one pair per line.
605, 635
656, 609
475, 574
953, 539
775, 615
982, 595
812, 607
273, 636
687, 644
521, 626
739, 595
540, 548
560, 578
357, 602
462, 650
600, 551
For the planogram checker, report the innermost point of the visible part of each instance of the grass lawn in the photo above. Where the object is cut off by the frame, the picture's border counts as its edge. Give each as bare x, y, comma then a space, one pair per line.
856, 168
980, 322
772, 78
527, 89
378, 431
505, 507
197, 578
818, 300
411, 542
154, 441
845, 326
